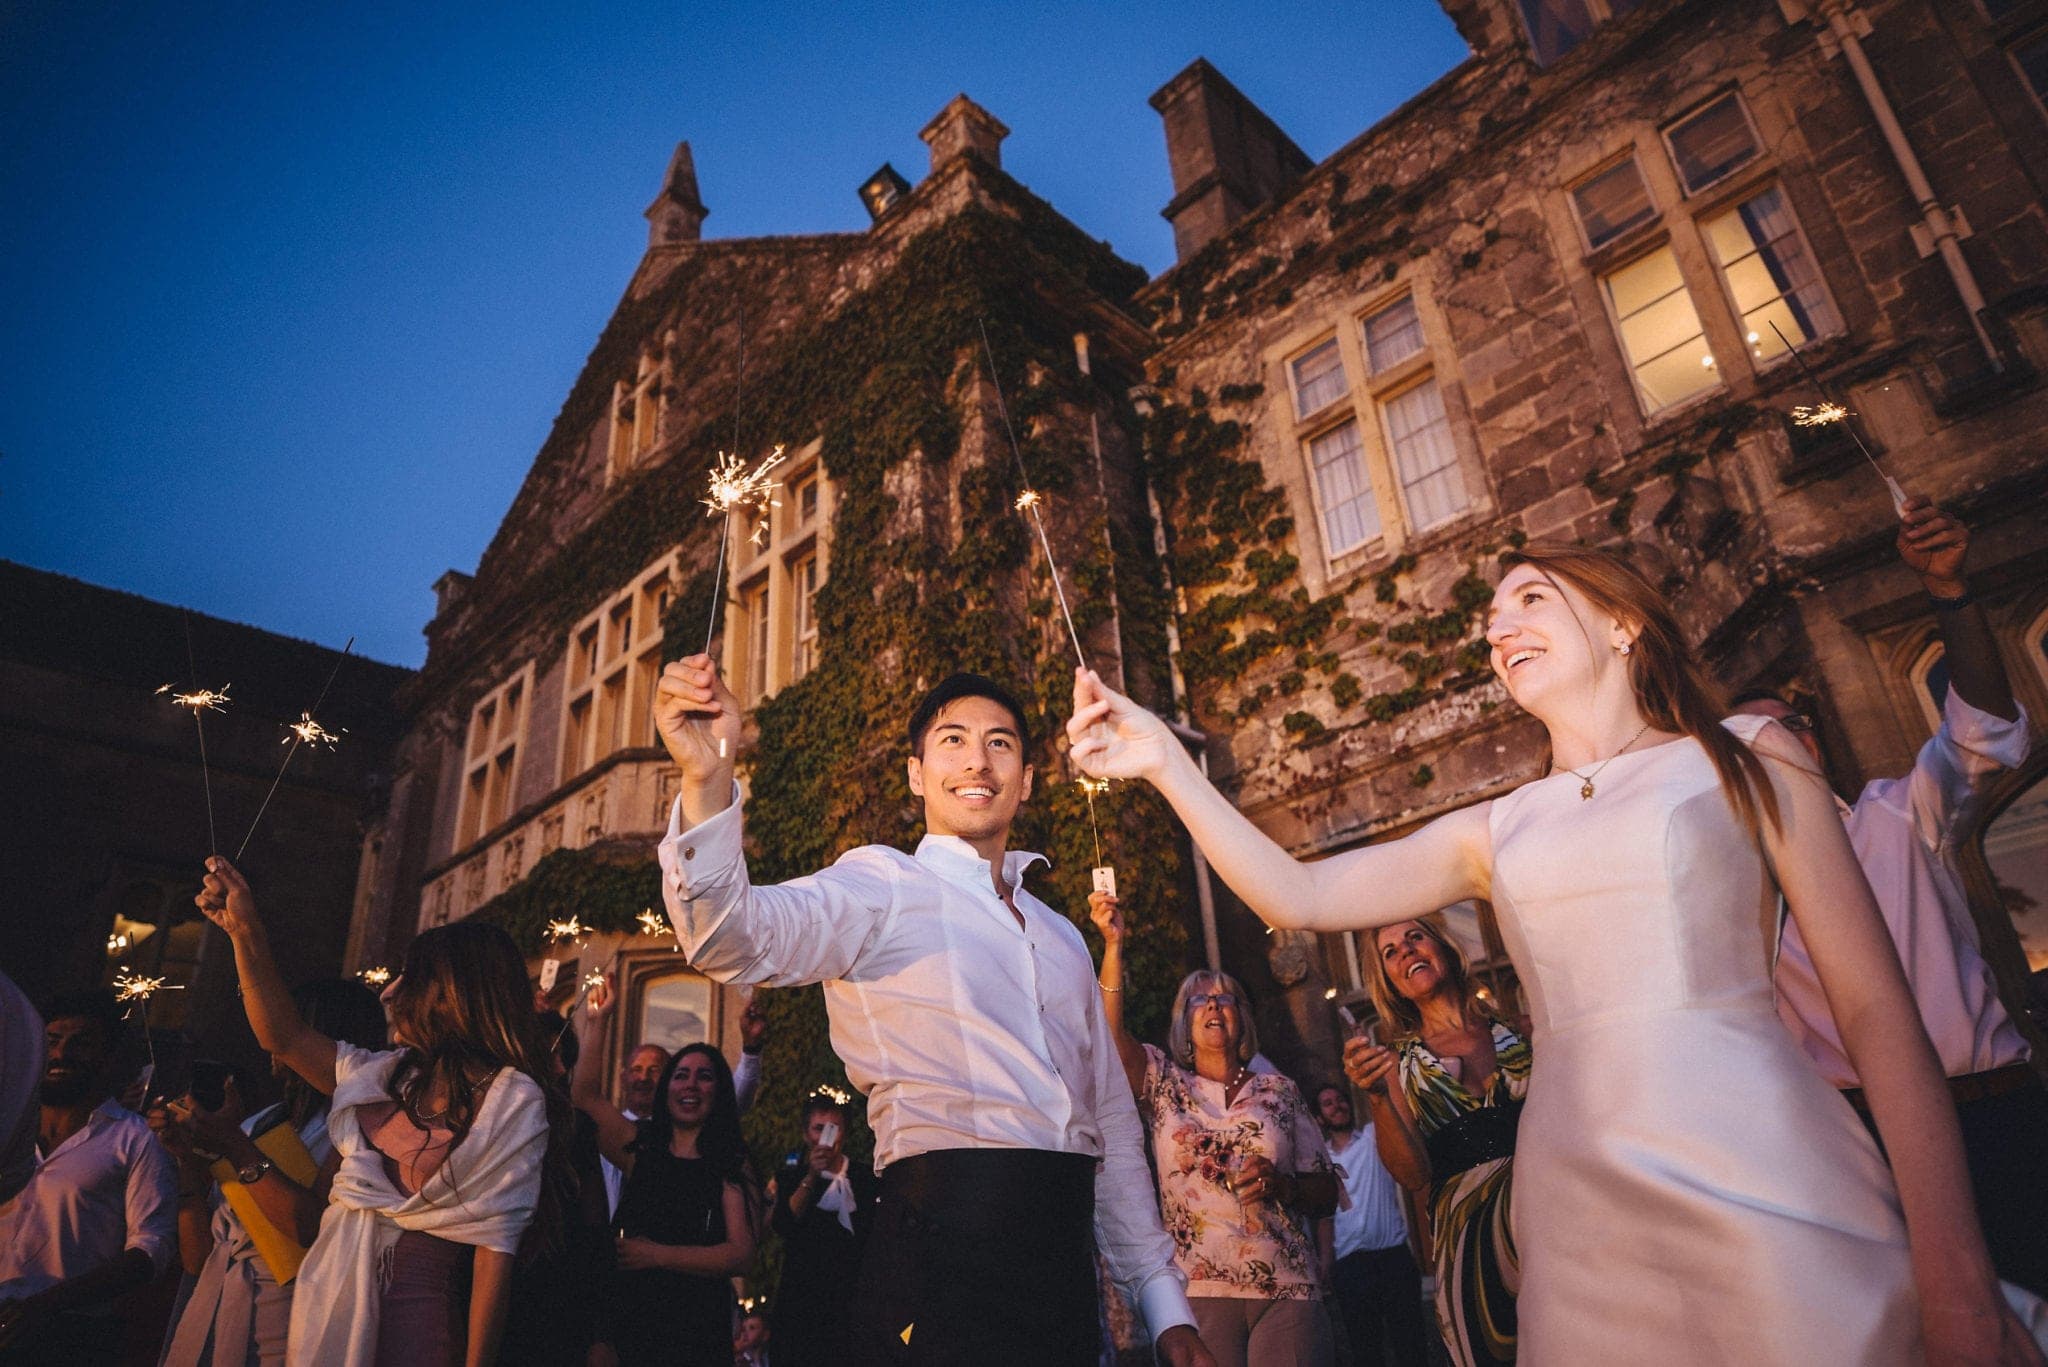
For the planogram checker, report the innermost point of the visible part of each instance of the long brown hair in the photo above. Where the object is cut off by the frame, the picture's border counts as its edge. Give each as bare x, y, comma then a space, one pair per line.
1672, 691
1402, 1018
463, 1009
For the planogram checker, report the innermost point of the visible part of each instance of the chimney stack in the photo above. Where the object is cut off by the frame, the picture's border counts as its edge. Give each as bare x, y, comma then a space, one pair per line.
1227, 157
962, 127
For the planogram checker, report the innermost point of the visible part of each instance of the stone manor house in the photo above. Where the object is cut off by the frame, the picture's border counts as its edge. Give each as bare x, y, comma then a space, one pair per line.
1550, 296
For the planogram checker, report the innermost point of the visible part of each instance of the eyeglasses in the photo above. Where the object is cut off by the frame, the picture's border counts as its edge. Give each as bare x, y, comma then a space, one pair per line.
1798, 723
1201, 999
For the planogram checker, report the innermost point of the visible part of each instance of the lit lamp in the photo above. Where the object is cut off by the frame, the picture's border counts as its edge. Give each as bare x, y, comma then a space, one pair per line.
880, 191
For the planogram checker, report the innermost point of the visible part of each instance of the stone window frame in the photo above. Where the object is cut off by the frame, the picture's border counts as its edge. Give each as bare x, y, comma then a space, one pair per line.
766, 576
610, 664
1366, 394
503, 744
2034, 644
2038, 98
1611, 264
1697, 108
1587, 246
627, 446
1747, 188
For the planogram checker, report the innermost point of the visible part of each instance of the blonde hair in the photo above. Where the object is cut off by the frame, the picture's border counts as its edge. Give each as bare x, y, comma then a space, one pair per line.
1401, 1018
1180, 1039
1672, 691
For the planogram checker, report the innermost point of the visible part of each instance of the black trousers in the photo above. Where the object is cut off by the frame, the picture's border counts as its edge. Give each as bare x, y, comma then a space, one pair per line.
2005, 1142
986, 1257
1379, 1297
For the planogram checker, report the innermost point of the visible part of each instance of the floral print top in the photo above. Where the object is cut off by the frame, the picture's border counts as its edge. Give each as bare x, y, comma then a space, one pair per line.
1262, 1250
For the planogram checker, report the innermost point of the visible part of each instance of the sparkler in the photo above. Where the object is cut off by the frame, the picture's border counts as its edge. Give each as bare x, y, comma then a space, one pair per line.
735, 486
654, 923
375, 977
138, 989
1030, 500
1827, 413
304, 731
838, 1095
201, 700
571, 929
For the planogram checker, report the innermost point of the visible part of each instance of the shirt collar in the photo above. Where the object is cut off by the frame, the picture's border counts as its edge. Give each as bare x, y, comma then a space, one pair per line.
954, 860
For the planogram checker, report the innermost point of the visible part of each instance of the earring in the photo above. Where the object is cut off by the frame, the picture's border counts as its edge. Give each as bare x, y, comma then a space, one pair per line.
1625, 647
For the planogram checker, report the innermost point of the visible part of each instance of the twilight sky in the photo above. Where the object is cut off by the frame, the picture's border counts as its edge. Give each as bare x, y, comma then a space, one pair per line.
289, 294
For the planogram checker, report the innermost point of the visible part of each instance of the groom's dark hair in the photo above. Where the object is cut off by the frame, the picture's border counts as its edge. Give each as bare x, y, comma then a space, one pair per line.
951, 691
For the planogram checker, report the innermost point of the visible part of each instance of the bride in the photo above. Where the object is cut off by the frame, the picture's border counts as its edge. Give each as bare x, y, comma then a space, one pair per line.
1688, 1189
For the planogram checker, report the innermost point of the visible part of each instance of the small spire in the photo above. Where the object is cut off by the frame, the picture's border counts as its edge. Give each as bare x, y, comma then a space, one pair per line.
677, 214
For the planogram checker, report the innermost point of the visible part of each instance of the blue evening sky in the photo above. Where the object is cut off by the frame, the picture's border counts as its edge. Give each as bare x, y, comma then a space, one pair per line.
289, 294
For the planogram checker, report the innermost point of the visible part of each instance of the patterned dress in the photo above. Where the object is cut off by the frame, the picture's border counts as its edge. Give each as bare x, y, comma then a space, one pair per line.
1477, 1271
1262, 1250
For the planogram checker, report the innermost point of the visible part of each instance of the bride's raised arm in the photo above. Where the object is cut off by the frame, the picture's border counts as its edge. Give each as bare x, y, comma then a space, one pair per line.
1446, 861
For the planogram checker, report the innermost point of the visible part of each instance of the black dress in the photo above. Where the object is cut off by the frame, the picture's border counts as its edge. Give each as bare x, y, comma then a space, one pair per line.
672, 1319
820, 1268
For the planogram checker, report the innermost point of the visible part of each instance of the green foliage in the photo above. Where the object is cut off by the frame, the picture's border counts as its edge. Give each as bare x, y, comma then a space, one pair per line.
603, 886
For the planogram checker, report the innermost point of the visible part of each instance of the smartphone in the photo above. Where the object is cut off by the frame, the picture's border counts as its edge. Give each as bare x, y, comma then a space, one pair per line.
828, 1134
209, 1085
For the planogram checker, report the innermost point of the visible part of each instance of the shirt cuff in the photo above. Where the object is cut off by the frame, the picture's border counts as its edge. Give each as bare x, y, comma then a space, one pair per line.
1983, 733
697, 862
1163, 1301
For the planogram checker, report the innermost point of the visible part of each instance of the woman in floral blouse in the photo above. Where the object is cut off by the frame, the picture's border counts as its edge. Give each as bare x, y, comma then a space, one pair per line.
1243, 1174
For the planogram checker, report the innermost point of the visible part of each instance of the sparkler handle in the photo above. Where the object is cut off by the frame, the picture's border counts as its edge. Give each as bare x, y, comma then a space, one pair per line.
1105, 879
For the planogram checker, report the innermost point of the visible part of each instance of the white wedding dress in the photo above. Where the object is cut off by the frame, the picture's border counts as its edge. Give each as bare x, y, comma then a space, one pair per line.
1687, 1188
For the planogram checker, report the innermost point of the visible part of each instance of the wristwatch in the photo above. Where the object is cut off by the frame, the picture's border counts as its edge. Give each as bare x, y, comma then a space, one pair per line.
252, 1173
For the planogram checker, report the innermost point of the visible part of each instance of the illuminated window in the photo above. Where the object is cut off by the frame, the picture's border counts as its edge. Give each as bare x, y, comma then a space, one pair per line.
1770, 274
613, 666
637, 408
157, 934
1318, 376
1610, 202
1660, 331
1710, 144
771, 637
675, 1010
490, 763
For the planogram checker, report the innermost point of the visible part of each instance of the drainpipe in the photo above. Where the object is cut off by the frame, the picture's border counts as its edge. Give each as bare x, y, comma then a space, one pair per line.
1846, 28
1142, 398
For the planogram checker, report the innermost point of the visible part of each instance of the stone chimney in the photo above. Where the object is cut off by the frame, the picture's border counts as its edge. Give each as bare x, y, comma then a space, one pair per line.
450, 589
677, 215
962, 127
1227, 157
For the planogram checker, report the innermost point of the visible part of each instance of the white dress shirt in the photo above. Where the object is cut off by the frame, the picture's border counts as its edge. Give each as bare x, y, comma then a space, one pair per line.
961, 1027
1903, 831
1370, 1216
108, 1188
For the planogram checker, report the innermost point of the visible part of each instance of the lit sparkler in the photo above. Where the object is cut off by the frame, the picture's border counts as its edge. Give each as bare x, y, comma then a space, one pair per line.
304, 731
571, 929
654, 923
838, 1095
1030, 500
138, 988
378, 976
593, 979
209, 699
1827, 412
733, 486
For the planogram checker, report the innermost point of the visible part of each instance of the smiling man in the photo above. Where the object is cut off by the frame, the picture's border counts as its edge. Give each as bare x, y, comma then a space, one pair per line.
965, 1009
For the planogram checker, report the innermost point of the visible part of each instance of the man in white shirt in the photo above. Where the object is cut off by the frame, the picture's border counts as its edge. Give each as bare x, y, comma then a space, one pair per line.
1905, 831
1375, 1283
100, 1214
965, 1009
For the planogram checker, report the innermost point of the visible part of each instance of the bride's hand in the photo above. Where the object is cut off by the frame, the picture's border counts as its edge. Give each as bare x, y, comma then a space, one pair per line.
1113, 737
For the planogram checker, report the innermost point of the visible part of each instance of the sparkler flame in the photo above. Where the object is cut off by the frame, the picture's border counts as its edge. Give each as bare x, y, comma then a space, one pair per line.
208, 698
375, 977
1094, 787
653, 922
1820, 414
134, 987
593, 979
571, 929
826, 1089
1028, 500
311, 732
734, 486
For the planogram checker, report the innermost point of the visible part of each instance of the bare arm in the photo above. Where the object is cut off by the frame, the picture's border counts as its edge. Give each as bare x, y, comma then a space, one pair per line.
1102, 909
490, 1295
225, 898
1962, 1313
1446, 861
615, 1133
1374, 1069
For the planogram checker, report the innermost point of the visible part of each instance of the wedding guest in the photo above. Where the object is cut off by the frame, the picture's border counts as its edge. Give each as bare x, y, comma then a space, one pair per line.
823, 1206
1445, 1097
1905, 832
445, 1148
1243, 1174
637, 1075
98, 1217
965, 1009
1375, 1284
239, 1307
751, 1345
685, 1220
1674, 1130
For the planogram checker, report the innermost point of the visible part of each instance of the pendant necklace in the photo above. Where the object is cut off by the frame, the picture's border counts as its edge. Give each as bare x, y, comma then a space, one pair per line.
1586, 780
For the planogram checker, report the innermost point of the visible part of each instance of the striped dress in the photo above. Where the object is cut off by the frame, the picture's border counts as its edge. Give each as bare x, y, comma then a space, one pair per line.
1477, 1272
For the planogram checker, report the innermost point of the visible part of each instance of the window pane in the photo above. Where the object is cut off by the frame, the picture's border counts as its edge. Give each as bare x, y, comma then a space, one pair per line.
674, 1011
1556, 26
1318, 379
1425, 460
1392, 335
1711, 143
1351, 516
2016, 848
2032, 59
1613, 202
757, 642
1660, 331
1771, 274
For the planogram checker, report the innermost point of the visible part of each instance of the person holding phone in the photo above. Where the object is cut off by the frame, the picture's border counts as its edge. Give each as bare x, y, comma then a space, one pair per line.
823, 1207
1445, 1096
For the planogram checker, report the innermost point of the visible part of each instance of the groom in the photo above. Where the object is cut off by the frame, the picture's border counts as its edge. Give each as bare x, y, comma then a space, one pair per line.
965, 1009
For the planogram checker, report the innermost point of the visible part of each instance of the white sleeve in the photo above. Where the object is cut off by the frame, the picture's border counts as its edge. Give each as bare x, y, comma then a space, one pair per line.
746, 1080
152, 1201
804, 931
1127, 1225
1968, 749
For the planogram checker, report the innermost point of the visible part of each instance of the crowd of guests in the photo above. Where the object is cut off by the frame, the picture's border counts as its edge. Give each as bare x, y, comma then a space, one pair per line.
1718, 1040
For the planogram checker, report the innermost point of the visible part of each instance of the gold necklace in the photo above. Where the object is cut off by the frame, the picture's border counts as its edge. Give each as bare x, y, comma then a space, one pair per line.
1586, 780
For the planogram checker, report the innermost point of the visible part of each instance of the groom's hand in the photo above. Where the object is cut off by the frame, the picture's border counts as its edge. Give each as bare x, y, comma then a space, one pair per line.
698, 720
